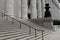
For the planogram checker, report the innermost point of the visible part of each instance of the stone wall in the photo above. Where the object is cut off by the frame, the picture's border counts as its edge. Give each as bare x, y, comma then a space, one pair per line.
54, 11
20, 11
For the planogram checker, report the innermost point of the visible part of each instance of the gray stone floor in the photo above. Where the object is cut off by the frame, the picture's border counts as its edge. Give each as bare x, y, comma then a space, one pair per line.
9, 31
53, 36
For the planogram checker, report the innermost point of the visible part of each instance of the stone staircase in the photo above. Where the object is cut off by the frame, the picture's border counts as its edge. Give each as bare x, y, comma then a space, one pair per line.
17, 35
10, 31
46, 23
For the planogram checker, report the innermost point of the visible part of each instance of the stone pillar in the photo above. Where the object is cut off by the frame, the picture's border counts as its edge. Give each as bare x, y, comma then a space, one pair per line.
19, 9
33, 9
39, 10
24, 9
10, 7
46, 1
43, 8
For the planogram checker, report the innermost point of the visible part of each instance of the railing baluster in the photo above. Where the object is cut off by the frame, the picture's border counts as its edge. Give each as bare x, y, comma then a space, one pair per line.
35, 33
20, 24
6, 18
12, 21
29, 30
2, 15
42, 35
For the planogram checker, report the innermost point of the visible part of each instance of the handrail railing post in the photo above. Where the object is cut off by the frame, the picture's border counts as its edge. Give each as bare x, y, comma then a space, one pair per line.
6, 18
35, 33
20, 24
2, 15
42, 35
29, 30
12, 21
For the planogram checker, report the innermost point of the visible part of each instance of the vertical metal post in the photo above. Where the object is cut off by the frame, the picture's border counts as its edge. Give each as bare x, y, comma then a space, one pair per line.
20, 24
42, 35
6, 18
29, 30
35, 33
1, 14
12, 21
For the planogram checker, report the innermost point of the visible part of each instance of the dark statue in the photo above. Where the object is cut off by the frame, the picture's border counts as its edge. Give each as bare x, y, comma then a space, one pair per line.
29, 16
28, 3
47, 12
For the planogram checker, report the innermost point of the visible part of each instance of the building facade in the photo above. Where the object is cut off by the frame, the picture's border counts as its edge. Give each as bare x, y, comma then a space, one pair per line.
36, 8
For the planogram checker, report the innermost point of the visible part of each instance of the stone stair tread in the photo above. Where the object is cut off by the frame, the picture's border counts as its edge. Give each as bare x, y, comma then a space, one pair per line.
39, 37
14, 37
32, 24
11, 36
21, 37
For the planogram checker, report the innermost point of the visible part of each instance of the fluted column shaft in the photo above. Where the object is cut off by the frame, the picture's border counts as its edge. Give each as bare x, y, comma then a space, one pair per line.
43, 8
19, 8
10, 7
39, 12
24, 9
33, 9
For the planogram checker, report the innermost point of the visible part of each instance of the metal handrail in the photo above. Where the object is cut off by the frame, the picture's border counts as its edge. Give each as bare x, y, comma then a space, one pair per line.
24, 24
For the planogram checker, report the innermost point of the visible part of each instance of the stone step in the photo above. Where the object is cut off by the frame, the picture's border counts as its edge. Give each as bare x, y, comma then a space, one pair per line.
38, 37
18, 35
44, 23
21, 37
11, 36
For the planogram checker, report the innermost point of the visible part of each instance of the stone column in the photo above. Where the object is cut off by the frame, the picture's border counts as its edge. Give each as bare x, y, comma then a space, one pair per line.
10, 7
33, 9
39, 10
43, 8
46, 1
24, 9
19, 9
